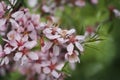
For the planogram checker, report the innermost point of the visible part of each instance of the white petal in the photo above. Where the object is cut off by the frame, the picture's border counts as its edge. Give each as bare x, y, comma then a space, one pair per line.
50, 36
2, 22
80, 3
80, 37
14, 24
33, 56
30, 27
47, 31
11, 35
42, 77
33, 35
56, 50
46, 70
70, 48
47, 46
79, 46
7, 50
60, 66
14, 44
71, 31
17, 56
45, 63
45, 8
25, 38
55, 74
30, 44
32, 3
41, 26
18, 14
24, 60
6, 60
74, 58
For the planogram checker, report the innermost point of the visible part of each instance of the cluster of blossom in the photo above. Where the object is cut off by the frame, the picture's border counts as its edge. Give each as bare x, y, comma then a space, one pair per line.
37, 48
50, 7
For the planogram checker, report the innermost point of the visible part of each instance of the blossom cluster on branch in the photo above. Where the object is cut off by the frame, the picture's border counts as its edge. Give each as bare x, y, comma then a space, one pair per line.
35, 47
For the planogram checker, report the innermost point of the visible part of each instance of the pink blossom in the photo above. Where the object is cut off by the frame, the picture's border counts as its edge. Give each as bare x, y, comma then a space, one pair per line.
72, 57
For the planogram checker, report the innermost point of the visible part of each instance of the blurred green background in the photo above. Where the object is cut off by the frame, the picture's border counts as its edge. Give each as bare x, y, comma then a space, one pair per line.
101, 61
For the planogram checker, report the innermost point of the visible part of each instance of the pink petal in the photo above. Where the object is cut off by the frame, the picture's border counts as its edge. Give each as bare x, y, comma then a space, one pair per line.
33, 56
24, 60
47, 31
80, 3
5, 61
70, 48
94, 1
25, 38
11, 35
46, 70
18, 14
41, 26
30, 44
14, 24
33, 35
80, 37
30, 27
45, 8
55, 74
79, 46
56, 50
52, 36
73, 60
32, 3
2, 22
60, 66
7, 50
47, 46
45, 63
14, 44
71, 31
17, 56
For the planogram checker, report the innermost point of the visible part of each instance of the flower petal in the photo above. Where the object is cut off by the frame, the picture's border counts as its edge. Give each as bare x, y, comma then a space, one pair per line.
55, 74
24, 60
50, 36
2, 22
80, 37
60, 66
47, 46
70, 48
33, 56
30, 44
17, 15
17, 56
46, 70
79, 46
33, 35
56, 50
7, 50
71, 31
5, 61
